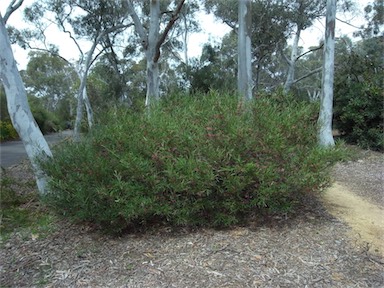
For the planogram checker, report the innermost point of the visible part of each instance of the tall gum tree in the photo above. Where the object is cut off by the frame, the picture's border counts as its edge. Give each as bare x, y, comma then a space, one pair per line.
97, 20
151, 41
81, 19
326, 101
269, 30
19, 111
244, 79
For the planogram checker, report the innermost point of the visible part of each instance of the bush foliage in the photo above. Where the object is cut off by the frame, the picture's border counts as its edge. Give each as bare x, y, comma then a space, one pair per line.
359, 115
358, 105
45, 119
206, 160
7, 131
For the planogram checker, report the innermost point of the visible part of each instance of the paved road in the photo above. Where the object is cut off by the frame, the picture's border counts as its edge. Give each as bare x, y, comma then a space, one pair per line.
13, 152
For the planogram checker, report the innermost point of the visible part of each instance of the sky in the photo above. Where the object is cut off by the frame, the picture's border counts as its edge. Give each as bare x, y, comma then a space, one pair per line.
212, 31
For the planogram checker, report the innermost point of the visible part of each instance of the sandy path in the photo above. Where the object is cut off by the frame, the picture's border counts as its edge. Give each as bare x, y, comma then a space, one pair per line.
365, 218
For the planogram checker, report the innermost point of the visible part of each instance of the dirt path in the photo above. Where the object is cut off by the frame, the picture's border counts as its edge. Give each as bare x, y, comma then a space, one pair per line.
365, 218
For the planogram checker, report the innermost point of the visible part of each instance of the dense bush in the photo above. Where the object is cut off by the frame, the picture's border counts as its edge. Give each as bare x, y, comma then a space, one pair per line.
359, 115
358, 105
204, 160
45, 119
7, 131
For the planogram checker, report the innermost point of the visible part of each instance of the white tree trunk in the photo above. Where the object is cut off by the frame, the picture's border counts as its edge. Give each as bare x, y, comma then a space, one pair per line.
185, 40
88, 108
292, 62
79, 113
244, 79
22, 119
152, 43
326, 103
153, 89
82, 93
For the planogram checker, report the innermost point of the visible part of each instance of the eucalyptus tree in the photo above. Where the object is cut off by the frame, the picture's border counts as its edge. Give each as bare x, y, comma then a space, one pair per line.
244, 81
270, 28
152, 39
18, 108
358, 111
86, 20
188, 24
326, 101
308, 74
52, 79
180, 52
114, 59
374, 15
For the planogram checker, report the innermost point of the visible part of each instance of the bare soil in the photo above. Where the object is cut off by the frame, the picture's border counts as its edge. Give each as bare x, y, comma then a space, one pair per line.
334, 242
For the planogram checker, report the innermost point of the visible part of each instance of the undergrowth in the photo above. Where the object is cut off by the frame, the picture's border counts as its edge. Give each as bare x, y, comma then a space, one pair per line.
22, 212
206, 160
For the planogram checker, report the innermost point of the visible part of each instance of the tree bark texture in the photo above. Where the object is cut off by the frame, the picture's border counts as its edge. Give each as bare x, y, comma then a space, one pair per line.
244, 78
326, 103
22, 119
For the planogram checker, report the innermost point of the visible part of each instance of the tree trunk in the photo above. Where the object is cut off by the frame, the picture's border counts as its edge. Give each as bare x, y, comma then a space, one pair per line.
185, 40
88, 108
244, 77
152, 43
82, 94
326, 103
22, 119
153, 89
79, 115
292, 62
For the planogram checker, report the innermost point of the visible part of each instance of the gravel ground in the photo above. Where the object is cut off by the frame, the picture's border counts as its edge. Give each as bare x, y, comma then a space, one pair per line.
364, 177
312, 249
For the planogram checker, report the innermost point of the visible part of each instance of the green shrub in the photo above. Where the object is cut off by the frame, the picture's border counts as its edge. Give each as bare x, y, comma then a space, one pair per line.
359, 115
46, 120
204, 160
358, 104
7, 131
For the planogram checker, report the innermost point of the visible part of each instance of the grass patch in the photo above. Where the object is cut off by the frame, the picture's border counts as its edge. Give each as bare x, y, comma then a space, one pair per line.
22, 212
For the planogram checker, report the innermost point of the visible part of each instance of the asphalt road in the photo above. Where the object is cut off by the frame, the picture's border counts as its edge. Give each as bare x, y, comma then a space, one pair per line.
13, 152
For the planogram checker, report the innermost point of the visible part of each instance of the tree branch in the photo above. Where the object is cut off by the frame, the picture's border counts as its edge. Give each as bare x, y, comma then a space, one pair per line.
307, 75
139, 28
172, 21
345, 22
233, 26
310, 51
285, 57
12, 8
61, 24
